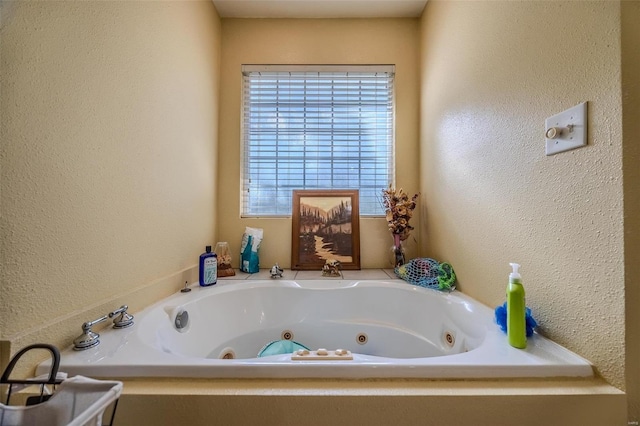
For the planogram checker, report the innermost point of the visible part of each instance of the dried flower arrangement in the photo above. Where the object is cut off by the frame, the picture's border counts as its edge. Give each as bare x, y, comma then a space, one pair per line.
399, 209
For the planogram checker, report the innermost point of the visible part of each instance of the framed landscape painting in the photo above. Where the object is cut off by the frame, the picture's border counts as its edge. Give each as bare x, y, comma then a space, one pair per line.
325, 226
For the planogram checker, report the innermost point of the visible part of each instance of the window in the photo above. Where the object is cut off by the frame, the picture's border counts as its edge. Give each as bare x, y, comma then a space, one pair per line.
316, 127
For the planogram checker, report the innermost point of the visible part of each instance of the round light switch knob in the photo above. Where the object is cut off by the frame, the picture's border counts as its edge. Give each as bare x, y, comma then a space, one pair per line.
553, 132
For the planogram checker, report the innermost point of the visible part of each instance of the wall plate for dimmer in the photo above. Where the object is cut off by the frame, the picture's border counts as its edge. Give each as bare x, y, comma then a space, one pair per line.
567, 130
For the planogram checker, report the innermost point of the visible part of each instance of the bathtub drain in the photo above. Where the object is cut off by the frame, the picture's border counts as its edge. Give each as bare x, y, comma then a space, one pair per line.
286, 335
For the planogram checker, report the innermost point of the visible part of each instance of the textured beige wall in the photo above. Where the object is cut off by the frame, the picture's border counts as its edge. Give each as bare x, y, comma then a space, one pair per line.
108, 165
491, 73
315, 41
630, 13
109, 138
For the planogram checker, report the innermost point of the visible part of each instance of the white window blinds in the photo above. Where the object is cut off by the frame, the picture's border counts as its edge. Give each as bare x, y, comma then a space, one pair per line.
316, 127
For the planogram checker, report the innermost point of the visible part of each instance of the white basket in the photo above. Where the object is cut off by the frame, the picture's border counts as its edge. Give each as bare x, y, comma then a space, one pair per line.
78, 401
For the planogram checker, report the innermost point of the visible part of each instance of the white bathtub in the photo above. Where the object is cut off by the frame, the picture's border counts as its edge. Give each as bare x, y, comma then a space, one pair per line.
392, 329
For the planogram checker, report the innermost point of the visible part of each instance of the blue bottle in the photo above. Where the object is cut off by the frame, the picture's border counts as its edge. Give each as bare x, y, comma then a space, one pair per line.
208, 268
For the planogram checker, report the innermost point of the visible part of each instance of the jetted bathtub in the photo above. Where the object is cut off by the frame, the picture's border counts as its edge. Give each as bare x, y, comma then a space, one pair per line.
388, 328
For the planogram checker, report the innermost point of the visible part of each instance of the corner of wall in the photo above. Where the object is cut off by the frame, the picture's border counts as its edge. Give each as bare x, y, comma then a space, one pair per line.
5, 353
630, 17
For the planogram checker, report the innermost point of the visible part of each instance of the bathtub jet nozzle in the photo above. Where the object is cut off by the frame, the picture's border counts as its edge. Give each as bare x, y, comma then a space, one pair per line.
182, 320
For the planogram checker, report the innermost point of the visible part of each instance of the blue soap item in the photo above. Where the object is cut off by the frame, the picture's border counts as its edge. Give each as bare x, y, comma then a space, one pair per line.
279, 347
208, 268
501, 319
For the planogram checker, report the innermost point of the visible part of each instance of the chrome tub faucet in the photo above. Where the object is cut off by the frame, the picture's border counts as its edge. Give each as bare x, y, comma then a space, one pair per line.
89, 339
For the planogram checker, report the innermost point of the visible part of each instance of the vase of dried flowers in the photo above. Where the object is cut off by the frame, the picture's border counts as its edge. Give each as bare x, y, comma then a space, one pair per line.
397, 252
399, 210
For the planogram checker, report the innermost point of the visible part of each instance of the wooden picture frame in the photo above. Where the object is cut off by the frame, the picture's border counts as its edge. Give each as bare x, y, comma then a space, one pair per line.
325, 225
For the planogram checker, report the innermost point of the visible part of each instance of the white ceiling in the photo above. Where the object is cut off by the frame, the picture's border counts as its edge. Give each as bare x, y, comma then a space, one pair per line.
319, 8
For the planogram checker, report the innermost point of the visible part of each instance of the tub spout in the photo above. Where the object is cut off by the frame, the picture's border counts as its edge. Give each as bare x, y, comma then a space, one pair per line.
332, 268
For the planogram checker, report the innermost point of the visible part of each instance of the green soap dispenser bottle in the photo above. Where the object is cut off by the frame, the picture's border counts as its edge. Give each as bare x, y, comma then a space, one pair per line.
516, 320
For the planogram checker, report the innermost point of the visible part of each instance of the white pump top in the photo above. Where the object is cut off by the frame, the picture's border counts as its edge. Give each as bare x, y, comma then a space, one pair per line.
514, 275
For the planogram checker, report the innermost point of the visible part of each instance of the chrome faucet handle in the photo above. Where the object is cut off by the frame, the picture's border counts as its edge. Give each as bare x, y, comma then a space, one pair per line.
88, 339
124, 319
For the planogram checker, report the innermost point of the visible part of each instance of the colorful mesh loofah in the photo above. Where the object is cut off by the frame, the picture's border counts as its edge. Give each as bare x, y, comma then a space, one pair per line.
428, 273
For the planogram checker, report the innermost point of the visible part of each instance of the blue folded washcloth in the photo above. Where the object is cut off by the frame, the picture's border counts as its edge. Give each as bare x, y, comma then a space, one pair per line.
279, 347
